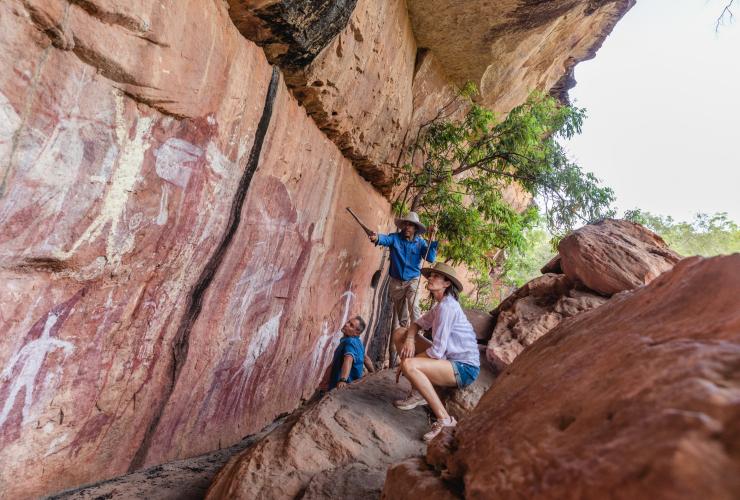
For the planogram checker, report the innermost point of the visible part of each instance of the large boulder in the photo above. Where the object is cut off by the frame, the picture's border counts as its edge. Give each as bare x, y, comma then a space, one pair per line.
532, 311
639, 398
460, 402
614, 255
339, 447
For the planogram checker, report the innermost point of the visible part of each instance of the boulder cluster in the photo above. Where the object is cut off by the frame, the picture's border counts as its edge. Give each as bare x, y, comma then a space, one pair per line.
638, 397
593, 263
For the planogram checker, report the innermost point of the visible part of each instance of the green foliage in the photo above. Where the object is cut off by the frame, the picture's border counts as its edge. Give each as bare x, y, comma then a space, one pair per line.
707, 235
482, 296
524, 263
460, 169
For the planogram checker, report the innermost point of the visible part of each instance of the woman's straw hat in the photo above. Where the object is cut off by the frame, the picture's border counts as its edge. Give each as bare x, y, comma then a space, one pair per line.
413, 218
448, 271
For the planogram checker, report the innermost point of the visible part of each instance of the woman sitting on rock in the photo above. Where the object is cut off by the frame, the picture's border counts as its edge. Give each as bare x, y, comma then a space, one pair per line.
451, 359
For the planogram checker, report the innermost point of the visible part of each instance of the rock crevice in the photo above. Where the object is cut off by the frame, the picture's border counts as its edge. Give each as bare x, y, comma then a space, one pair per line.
180, 343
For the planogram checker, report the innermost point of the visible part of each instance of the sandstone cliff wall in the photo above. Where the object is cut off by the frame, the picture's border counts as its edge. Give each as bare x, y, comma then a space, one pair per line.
174, 251
176, 258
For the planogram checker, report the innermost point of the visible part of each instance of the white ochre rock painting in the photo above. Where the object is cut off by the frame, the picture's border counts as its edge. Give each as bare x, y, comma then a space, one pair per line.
34, 368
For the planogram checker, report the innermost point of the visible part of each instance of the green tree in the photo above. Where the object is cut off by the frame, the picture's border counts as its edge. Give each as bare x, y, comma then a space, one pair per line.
706, 235
524, 263
460, 168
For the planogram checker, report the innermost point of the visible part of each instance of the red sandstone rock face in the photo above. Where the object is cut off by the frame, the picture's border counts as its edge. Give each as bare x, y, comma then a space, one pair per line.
157, 301
614, 255
415, 473
338, 448
358, 89
513, 47
532, 311
639, 398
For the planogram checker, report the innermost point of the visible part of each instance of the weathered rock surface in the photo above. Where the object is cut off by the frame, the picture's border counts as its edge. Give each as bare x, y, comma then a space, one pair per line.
291, 33
358, 89
356, 65
460, 402
532, 311
594, 261
187, 479
611, 256
421, 480
511, 47
339, 447
168, 211
639, 398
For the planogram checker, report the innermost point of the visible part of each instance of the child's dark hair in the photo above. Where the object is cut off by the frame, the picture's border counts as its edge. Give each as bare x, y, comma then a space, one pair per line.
361, 325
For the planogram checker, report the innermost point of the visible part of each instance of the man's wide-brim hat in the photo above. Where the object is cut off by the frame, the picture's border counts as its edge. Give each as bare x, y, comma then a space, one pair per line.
413, 218
445, 270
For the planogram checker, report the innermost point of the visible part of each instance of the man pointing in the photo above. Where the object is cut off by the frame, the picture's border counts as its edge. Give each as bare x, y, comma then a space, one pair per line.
407, 250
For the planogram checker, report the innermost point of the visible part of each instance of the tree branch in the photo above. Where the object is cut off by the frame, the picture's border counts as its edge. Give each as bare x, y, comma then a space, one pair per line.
727, 11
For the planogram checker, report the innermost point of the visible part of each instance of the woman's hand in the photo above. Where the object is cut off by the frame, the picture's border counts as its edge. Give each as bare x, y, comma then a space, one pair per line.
409, 348
373, 237
341, 385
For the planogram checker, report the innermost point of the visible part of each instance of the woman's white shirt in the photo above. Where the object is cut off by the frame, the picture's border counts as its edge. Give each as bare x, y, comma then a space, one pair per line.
453, 337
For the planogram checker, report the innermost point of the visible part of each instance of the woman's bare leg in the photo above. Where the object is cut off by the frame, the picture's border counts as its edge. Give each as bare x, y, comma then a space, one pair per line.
424, 374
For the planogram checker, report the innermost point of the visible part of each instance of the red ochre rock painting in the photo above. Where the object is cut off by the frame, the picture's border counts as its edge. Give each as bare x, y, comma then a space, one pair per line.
118, 188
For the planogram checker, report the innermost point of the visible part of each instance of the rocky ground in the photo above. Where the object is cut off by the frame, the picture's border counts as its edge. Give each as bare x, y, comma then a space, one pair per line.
182, 479
337, 447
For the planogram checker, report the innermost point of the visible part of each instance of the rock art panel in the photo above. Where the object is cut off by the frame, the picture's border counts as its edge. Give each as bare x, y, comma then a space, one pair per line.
125, 150
645, 390
298, 268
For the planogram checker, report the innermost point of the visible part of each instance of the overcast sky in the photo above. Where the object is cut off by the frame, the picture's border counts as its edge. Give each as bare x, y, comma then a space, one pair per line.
663, 103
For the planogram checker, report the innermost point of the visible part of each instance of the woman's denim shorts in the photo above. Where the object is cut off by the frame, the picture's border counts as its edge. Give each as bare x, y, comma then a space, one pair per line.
465, 374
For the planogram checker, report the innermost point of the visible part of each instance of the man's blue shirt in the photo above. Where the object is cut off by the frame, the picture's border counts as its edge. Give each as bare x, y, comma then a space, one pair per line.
347, 346
406, 255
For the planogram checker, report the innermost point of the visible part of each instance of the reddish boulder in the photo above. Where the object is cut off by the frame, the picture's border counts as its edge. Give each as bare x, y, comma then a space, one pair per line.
532, 311
482, 322
354, 432
419, 478
460, 402
614, 255
639, 398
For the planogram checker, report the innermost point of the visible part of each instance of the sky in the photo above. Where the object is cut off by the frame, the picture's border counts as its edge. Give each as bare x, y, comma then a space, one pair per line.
663, 110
